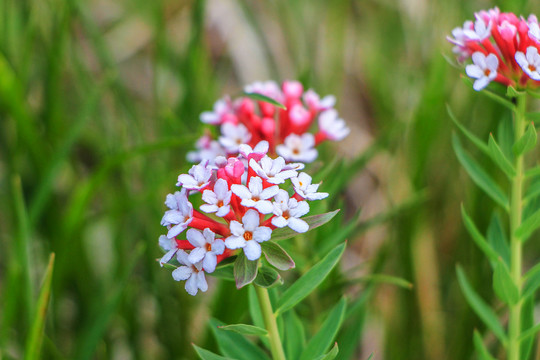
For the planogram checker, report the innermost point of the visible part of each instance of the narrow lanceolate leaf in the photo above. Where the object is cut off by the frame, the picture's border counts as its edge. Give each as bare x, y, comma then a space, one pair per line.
532, 191
498, 240
479, 176
263, 98
331, 354
295, 335
313, 221
481, 145
267, 277
208, 355
499, 158
479, 306
504, 286
234, 345
478, 237
245, 270
528, 226
310, 280
386, 279
33, 346
483, 353
322, 340
277, 256
527, 322
245, 329
371, 356
527, 141
532, 281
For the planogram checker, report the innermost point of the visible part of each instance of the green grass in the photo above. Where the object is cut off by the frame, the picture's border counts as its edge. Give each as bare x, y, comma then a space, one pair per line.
99, 103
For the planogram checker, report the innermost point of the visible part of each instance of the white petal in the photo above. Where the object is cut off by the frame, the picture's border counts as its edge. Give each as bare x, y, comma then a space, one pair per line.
479, 59
207, 208
235, 242
241, 191
224, 210
236, 228
300, 210
209, 262
201, 281
264, 206
176, 230
250, 220
262, 233
181, 273
187, 181
269, 192
316, 196
252, 250
195, 238
255, 185
492, 62
165, 243
191, 285
209, 197
279, 221
480, 83
218, 247
167, 257
474, 71
221, 188
298, 225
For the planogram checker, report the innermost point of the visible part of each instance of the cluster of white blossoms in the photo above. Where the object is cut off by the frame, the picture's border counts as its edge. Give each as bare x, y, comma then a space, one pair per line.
292, 133
244, 198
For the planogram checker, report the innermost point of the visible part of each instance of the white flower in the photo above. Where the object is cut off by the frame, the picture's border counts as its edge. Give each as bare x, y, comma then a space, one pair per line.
334, 127
314, 102
266, 88
197, 178
273, 171
221, 107
248, 235
180, 214
206, 248
298, 148
217, 201
256, 196
288, 210
529, 63
483, 69
534, 31
481, 30
170, 246
207, 149
193, 273
258, 152
233, 136
307, 190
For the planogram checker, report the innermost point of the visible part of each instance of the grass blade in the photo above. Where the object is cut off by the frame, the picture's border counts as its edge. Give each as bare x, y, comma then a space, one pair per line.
310, 280
208, 355
33, 346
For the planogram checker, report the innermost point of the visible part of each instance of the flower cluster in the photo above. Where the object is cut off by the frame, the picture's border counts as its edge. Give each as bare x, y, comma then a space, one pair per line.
244, 199
287, 131
503, 48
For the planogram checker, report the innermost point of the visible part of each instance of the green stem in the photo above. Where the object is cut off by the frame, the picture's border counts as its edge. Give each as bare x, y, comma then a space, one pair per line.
270, 322
514, 325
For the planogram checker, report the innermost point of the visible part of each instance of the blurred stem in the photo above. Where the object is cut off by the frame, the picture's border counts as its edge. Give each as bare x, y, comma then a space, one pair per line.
270, 322
514, 327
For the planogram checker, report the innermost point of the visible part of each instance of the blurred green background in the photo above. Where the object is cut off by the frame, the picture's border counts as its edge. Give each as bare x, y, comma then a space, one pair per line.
100, 101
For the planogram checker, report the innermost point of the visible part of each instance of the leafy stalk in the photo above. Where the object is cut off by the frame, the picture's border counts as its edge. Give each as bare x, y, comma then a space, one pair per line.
270, 322
516, 207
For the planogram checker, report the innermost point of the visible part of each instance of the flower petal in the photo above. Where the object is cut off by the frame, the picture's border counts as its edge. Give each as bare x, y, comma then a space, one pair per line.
235, 242
298, 225
181, 273
252, 250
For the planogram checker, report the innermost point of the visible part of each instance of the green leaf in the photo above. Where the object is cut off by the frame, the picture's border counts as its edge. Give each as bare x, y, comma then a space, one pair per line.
484, 312
322, 340
492, 95
225, 272
331, 354
504, 286
267, 277
387, 279
263, 98
371, 356
478, 175
532, 192
208, 355
245, 329
277, 256
473, 138
497, 239
295, 337
512, 92
245, 270
533, 116
499, 158
527, 322
532, 281
234, 345
310, 280
477, 236
527, 141
313, 221
33, 345
528, 226
480, 348
529, 332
